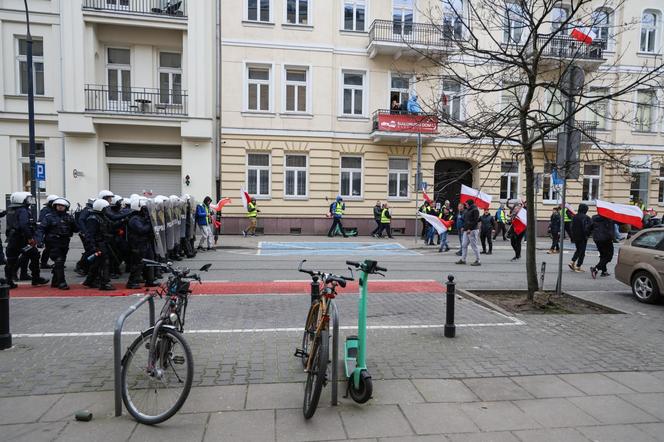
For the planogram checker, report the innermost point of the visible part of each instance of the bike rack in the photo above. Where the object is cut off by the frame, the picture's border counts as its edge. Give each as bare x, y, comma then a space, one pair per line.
117, 347
335, 351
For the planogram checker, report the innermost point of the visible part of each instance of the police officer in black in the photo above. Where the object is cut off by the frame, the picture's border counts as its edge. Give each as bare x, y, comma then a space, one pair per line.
83, 264
98, 234
56, 230
3, 261
140, 234
45, 210
21, 238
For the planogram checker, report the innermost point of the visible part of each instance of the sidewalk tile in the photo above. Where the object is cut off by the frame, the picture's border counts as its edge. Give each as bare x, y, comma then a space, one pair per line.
101, 404
498, 416
616, 433
108, 430
325, 425
496, 389
546, 386
652, 403
555, 412
654, 430
397, 391
444, 390
180, 428
209, 399
25, 409
238, 426
551, 435
658, 374
271, 396
438, 418
39, 432
639, 381
374, 421
428, 438
503, 436
595, 383
611, 410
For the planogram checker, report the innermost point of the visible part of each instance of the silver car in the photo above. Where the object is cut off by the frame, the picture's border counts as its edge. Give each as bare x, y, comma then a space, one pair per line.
641, 264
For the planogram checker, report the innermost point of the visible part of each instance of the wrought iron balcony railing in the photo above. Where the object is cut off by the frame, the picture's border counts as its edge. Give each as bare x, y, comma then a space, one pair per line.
408, 33
166, 102
163, 8
588, 131
561, 46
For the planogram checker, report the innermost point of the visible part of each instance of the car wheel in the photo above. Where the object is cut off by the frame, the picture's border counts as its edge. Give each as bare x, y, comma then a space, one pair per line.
645, 287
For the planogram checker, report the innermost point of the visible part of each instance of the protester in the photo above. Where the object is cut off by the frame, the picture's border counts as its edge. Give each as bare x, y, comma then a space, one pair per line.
252, 214
446, 216
603, 234
204, 220
425, 208
431, 232
580, 228
501, 222
515, 238
568, 216
470, 231
487, 228
337, 210
554, 231
377, 210
459, 223
385, 219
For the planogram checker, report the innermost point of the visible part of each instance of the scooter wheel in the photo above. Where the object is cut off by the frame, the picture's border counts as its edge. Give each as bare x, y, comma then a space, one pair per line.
364, 390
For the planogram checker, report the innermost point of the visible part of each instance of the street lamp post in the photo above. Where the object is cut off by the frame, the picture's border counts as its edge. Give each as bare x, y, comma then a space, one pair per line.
31, 109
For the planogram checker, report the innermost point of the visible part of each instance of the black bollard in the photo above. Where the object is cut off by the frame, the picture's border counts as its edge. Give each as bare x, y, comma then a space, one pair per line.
5, 335
450, 328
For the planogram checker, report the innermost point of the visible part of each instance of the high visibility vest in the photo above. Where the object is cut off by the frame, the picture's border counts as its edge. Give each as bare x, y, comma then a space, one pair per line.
383, 217
208, 218
502, 217
251, 210
566, 217
338, 209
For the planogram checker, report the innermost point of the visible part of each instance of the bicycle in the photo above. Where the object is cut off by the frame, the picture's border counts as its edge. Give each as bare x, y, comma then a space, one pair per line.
156, 375
315, 352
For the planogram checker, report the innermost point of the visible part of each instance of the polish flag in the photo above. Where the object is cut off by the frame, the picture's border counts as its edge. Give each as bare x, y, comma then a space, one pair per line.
520, 221
621, 213
437, 223
482, 200
426, 198
583, 34
222, 202
245, 198
568, 206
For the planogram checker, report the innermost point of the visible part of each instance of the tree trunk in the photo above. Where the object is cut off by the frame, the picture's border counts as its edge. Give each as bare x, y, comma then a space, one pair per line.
531, 231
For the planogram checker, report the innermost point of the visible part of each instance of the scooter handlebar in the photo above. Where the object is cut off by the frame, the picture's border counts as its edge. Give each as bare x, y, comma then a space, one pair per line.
353, 263
381, 269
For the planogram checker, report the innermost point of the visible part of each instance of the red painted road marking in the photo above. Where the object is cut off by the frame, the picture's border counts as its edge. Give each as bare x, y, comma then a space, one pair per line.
234, 288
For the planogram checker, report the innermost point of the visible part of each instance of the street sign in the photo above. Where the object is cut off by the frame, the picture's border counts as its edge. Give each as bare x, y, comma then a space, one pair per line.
40, 171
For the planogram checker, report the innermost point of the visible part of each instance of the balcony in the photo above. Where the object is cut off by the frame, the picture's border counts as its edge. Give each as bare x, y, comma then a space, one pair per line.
403, 127
156, 8
135, 101
563, 50
399, 39
588, 133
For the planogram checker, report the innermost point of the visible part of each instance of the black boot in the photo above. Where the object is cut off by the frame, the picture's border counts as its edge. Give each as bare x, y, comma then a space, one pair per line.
107, 287
39, 281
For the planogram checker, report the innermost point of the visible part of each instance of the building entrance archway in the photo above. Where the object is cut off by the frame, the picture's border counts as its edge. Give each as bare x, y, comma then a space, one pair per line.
449, 175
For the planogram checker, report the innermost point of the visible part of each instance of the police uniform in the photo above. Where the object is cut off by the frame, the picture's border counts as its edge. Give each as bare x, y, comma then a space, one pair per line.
140, 235
46, 252
83, 265
55, 231
98, 234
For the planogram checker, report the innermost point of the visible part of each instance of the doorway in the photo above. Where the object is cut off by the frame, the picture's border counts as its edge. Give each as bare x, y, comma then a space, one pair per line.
449, 175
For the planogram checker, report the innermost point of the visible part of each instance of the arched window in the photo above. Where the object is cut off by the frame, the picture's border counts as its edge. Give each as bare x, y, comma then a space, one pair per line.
602, 22
650, 26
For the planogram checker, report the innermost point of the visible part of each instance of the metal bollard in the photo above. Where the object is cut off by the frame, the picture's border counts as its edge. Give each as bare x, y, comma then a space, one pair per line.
5, 335
450, 328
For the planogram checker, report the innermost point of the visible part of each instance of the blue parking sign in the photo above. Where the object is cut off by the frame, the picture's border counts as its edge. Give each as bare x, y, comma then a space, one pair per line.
40, 171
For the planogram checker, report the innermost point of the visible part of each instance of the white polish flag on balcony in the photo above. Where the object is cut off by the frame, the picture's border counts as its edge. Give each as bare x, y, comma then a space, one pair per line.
520, 221
621, 213
584, 34
482, 200
244, 196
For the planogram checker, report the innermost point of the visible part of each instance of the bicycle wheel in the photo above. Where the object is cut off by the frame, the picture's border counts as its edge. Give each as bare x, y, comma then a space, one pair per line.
309, 330
317, 374
153, 396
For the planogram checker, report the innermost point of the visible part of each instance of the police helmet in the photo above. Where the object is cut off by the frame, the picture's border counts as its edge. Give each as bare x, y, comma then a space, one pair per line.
21, 198
138, 203
60, 202
105, 194
186, 197
51, 198
99, 205
116, 200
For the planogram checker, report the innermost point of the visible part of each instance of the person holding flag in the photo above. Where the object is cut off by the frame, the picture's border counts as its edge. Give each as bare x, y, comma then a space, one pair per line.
471, 233
519, 222
252, 214
446, 218
440, 225
579, 236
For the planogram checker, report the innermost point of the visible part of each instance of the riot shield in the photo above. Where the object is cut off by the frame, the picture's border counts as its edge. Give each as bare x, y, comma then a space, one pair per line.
161, 222
157, 228
175, 203
191, 218
170, 224
183, 219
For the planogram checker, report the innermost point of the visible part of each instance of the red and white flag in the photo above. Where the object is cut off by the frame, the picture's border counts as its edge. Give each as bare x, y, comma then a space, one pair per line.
222, 202
426, 198
520, 221
245, 198
482, 200
571, 211
437, 223
584, 34
621, 213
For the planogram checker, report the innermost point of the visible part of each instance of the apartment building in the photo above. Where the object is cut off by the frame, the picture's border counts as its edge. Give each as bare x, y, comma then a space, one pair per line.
124, 96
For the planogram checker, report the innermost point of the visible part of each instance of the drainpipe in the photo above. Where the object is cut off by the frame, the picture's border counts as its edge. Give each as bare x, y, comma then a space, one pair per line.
217, 116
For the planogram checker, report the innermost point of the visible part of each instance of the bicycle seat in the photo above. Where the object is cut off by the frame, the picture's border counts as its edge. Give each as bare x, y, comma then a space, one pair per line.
337, 279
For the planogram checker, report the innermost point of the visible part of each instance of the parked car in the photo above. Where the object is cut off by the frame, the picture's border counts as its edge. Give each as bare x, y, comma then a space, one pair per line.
641, 264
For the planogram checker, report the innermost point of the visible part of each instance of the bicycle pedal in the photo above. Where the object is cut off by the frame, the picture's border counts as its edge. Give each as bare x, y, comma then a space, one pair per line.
178, 360
299, 353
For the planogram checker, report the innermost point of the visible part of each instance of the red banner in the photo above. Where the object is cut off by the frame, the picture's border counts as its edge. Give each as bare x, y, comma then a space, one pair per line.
410, 123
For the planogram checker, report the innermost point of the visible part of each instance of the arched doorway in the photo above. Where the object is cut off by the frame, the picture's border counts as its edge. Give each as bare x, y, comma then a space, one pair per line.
448, 177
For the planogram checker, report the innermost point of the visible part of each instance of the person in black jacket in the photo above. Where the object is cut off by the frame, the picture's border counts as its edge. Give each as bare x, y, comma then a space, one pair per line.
98, 234
56, 230
471, 233
580, 228
554, 231
45, 210
377, 210
139, 236
3, 260
603, 233
488, 225
83, 265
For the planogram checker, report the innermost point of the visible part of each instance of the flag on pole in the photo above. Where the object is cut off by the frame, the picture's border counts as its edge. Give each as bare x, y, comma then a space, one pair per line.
222, 202
520, 221
584, 34
437, 223
426, 197
245, 198
482, 200
621, 213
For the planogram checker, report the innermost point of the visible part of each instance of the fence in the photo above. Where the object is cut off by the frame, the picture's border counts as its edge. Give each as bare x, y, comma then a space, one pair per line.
165, 8
135, 100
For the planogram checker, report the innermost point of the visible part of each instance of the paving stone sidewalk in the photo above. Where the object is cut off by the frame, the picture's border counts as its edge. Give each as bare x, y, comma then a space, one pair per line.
610, 406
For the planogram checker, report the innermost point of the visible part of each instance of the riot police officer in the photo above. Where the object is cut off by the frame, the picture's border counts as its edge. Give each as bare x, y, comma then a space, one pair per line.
21, 238
48, 208
3, 261
139, 235
55, 231
81, 216
98, 233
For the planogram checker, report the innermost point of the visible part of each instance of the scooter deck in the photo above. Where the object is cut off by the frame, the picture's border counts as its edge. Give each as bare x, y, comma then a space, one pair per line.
350, 354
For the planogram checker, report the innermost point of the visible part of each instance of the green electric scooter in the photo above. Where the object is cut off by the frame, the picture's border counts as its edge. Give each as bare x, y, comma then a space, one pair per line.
360, 387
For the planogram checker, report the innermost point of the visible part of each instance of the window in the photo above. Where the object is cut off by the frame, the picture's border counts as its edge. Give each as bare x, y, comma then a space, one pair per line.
258, 10
645, 110
170, 78
602, 20
650, 24
351, 177
296, 176
258, 174
354, 15
258, 88
599, 111
661, 185
650, 240
37, 66
118, 70
398, 178
550, 190
453, 19
559, 16
399, 90
509, 182
296, 89
591, 178
514, 26
353, 90
297, 12
24, 161
120, 4
638, 189
402, 17
451, 99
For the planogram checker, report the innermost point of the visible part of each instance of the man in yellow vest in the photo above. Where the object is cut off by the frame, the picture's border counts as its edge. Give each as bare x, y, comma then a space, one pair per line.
385, 219
252, 214
337, 209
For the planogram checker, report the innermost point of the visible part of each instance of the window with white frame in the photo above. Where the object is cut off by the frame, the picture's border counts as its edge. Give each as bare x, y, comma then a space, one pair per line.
354, 15
599, 110
453, 19
297, 12
170, 78
550, 190
602, 20
646, 103
353, 93
402, 16
399, 90
350, 182
258, 88
295, 176
24, 161
591, 180
118, 71
514, 26
37, 66
660, 199
296, 89
259, 10
451, 100
650, 28
509, 181
258, 174
559, 16
638, 189
398, 178
511, 96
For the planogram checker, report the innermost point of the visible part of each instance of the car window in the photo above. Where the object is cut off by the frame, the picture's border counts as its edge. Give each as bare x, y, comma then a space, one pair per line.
650, 240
